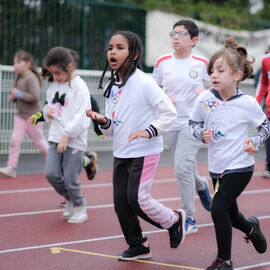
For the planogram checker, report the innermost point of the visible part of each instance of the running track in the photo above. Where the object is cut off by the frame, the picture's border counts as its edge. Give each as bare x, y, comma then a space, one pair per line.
34, 237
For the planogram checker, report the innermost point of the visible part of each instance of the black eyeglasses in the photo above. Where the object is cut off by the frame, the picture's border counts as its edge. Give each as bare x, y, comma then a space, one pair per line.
180, 34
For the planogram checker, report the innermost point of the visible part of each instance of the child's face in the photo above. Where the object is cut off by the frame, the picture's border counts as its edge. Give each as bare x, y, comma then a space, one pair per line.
117, 52
20, 66
222, 76
58, 74
183, 43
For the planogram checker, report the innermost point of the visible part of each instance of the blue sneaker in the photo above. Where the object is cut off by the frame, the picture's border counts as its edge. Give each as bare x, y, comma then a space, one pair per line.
205, 196
191, 226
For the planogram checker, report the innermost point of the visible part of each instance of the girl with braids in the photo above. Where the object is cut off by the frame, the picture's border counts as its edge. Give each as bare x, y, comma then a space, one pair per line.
26, 93
137, 113
220, 118
67, 99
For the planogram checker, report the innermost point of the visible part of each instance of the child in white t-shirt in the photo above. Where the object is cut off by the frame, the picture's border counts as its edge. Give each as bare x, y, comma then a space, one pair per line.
66, 101
220, 118
137, 112
182, 76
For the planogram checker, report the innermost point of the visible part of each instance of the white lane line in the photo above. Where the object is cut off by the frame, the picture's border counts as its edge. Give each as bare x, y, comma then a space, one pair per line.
14, 191
253, 266
156, 181
98, 239
250, 192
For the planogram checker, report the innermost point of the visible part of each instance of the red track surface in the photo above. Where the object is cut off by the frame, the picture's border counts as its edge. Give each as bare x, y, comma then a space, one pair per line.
34, 236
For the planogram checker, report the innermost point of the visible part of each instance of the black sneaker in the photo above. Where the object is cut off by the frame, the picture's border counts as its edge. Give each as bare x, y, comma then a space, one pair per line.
90, 164
256, 237
136, 252
177, 231
220, 264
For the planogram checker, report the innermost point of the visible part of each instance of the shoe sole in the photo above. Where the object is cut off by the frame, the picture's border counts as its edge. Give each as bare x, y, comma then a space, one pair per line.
139, 257
76, 221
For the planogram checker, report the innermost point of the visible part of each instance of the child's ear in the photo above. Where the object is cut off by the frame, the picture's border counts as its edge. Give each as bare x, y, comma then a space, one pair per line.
70, 67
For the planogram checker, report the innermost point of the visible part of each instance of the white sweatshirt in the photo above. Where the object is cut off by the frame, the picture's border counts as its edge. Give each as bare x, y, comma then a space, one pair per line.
69, 117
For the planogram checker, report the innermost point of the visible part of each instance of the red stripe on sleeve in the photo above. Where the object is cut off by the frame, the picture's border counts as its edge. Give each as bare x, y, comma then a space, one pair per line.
200, 59
162, 59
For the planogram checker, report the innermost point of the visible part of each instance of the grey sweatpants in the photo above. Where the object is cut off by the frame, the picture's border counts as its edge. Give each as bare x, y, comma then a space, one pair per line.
62, 171
184, 148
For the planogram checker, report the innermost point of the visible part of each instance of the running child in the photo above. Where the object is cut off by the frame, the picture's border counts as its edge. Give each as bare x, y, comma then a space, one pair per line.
183, 75
220, 118
137, 113
26, 93
67, 99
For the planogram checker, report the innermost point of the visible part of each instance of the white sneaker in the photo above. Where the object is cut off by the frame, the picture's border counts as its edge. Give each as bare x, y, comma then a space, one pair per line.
8, 171
266, 174
68, 210
79, 215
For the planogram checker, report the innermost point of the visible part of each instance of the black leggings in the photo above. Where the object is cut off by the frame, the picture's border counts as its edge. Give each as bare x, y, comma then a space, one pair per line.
225, 213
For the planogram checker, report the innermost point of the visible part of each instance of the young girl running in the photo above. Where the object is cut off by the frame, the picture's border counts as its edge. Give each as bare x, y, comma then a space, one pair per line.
26, 93
67, 99
221, 117
137, 112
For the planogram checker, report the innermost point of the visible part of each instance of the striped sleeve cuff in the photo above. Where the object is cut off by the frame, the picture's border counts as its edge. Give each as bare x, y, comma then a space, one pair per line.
107, 125
152, 131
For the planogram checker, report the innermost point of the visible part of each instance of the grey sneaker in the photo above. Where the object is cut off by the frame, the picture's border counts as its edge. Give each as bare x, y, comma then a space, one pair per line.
79, 215
8, 171
68, 210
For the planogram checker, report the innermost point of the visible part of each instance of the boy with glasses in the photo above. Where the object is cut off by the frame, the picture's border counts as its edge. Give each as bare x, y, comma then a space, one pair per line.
183, 75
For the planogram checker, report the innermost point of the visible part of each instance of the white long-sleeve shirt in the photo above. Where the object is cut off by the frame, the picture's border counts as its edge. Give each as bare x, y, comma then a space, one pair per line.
135, 106
69, 118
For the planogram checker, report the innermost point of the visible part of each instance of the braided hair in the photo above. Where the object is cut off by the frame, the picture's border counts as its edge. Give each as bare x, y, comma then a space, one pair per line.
134, 61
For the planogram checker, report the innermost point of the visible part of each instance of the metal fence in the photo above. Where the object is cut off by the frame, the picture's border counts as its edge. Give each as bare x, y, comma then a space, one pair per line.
83, 25
8, 110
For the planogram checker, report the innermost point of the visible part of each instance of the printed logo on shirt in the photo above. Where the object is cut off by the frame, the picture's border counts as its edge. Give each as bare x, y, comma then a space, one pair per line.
218, 133
116, 122
210, 104
57, 104
193, 74
115, 96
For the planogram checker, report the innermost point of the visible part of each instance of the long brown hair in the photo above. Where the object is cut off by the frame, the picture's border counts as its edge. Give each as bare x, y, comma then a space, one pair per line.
27, 57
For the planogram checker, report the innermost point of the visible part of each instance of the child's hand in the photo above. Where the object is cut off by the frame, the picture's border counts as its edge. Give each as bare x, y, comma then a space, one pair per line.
249, 147
31, 120
207, 134
96, 116
137, 134
12, 95
50, 114
62, 145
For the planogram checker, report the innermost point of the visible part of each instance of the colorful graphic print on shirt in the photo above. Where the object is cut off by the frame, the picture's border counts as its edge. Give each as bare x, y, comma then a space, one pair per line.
218, 133
115, 96
210, 104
